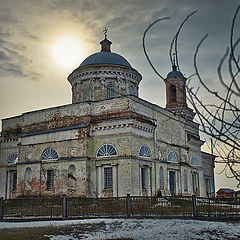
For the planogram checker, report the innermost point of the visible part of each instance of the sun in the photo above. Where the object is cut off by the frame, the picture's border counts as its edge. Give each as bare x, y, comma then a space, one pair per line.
67, 52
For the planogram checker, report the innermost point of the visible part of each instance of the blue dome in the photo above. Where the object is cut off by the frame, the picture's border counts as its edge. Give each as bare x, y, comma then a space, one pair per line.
105, 58
174, 74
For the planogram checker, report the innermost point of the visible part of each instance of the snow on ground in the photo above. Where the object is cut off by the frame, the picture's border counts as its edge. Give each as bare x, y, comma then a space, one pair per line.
141, 229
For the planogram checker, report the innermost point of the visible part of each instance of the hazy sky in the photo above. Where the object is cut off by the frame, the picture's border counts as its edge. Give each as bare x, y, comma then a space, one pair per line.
35, 35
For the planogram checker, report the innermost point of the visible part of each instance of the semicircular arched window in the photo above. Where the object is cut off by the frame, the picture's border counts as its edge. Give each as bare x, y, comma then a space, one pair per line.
172, 94
107, 150
12, 159
172, 157
110, 91
131, 91
49, 154
194, 161
85, 93
144, 152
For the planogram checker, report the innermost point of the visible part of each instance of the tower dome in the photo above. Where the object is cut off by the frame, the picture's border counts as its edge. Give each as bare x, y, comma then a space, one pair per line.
103, 75
174, 72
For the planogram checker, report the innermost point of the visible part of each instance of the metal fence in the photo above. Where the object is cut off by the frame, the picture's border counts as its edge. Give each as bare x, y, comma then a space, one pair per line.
130, 206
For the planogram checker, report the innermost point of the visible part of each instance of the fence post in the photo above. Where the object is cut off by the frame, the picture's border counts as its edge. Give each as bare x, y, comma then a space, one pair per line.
128, 205
64, 206
194, 202
1, 208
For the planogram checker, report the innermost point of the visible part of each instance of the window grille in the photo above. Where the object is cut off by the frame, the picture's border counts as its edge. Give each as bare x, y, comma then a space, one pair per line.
14, 180
106, 150
108, 178
50, 180
50, 154
12, 159
194, 161
161, 178
172, 157
143, 177
144, 152
185, 181
110, 91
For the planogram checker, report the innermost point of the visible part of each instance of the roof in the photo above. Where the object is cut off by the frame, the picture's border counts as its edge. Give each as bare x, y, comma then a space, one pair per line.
174, 72
105, 58
226, 190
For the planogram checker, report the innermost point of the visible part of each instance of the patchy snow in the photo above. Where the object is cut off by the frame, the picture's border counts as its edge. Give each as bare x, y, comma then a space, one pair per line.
140, 229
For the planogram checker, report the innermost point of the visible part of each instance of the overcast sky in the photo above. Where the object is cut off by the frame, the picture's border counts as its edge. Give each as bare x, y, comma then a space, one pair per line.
31, 78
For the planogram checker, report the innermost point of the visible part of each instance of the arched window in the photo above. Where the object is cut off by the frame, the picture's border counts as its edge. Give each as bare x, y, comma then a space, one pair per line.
144, 152
172, 94
131, 91
161, 178
85, 93
28, 178
194, 161
172, 157
49, 154
12, 159
110, 91
106, 150
185, 181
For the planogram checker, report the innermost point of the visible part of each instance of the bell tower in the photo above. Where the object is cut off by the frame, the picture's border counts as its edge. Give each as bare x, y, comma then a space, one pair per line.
176, 93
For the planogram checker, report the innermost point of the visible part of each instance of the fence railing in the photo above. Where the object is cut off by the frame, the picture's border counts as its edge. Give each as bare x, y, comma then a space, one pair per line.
130, 206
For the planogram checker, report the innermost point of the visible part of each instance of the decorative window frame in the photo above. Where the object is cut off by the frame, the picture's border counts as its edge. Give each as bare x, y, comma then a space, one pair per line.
174, 158
49, 154
105, 151
144, 152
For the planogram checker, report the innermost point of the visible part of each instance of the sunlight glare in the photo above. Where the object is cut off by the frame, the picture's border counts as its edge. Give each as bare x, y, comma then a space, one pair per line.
67, 52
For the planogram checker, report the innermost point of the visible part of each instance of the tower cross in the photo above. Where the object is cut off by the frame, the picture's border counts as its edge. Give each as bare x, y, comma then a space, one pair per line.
105, 30
174, 58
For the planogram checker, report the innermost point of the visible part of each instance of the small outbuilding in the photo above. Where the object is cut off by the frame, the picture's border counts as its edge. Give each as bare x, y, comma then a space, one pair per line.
225, 193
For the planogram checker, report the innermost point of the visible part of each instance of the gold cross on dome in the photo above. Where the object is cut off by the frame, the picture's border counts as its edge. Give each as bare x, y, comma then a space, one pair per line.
105, 30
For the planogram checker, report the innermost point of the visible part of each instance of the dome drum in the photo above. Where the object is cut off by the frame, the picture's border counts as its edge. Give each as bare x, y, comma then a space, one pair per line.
99, 82
103, 75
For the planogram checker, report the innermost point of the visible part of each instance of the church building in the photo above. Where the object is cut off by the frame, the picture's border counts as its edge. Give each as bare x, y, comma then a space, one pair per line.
108, 142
